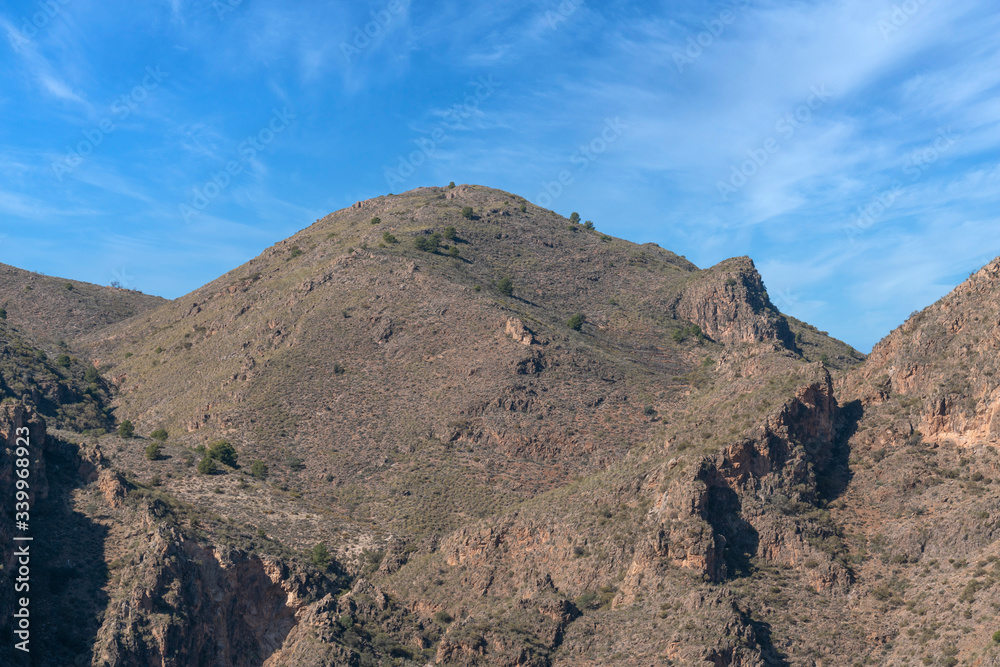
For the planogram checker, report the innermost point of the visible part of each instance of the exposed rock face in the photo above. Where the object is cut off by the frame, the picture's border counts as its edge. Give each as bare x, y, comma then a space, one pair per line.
730, 305
722, 512
944, 360
180, 603
522, 334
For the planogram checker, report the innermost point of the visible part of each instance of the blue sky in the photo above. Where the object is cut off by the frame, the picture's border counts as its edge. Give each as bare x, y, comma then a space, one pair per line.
850, 147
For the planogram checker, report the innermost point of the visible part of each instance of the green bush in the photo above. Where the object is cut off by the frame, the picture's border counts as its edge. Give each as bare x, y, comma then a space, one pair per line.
453, 251
588, 225
574, 217
126, 429
443, 617
467, 213
451, 185
90, 374
64, 360
522, 208
376, 221
3, 313
320, 557
207, 466
258, 469
159, 434
389, 238
505, 286
223, 452
427, 243
996, 637
153, 451
605, 238
576, 322
450, 233
296, 252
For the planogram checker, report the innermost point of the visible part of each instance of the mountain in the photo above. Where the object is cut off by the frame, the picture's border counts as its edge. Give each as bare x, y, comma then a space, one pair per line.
55, 309
450, 427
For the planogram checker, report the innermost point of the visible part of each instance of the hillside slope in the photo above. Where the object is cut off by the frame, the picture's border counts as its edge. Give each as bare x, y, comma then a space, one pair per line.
55, 309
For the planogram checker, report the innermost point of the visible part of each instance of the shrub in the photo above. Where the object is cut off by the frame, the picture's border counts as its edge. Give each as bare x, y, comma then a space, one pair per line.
605, 238
450, 233
443, 617
223, 452
522, 208
3, 313
296, 251
996, 637
467, 213
293, 462
153, 451
258, 469
376, 221
126, 429
427, 243
159, 434
64, 360
207, 466
389, 238
451, 185
338, 369
158, 349
649, 411
574, 217
576, 322
320, 557
90, 374
476, 288
453, 251
588, 225
505, 286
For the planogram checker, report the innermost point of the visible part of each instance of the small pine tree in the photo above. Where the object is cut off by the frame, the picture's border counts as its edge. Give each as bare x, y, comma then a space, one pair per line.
207, 466
153, 451
453, 251
376, 221
574, 217
467, 213
64, 360
450, 233
159, 434
223, 452
126, 429
505, 286
3, 313
389, 238
588, 225
320, 557
576, 322
258, 469
451, 185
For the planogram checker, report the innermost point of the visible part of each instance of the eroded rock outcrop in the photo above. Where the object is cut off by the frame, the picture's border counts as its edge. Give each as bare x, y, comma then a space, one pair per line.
730, 304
